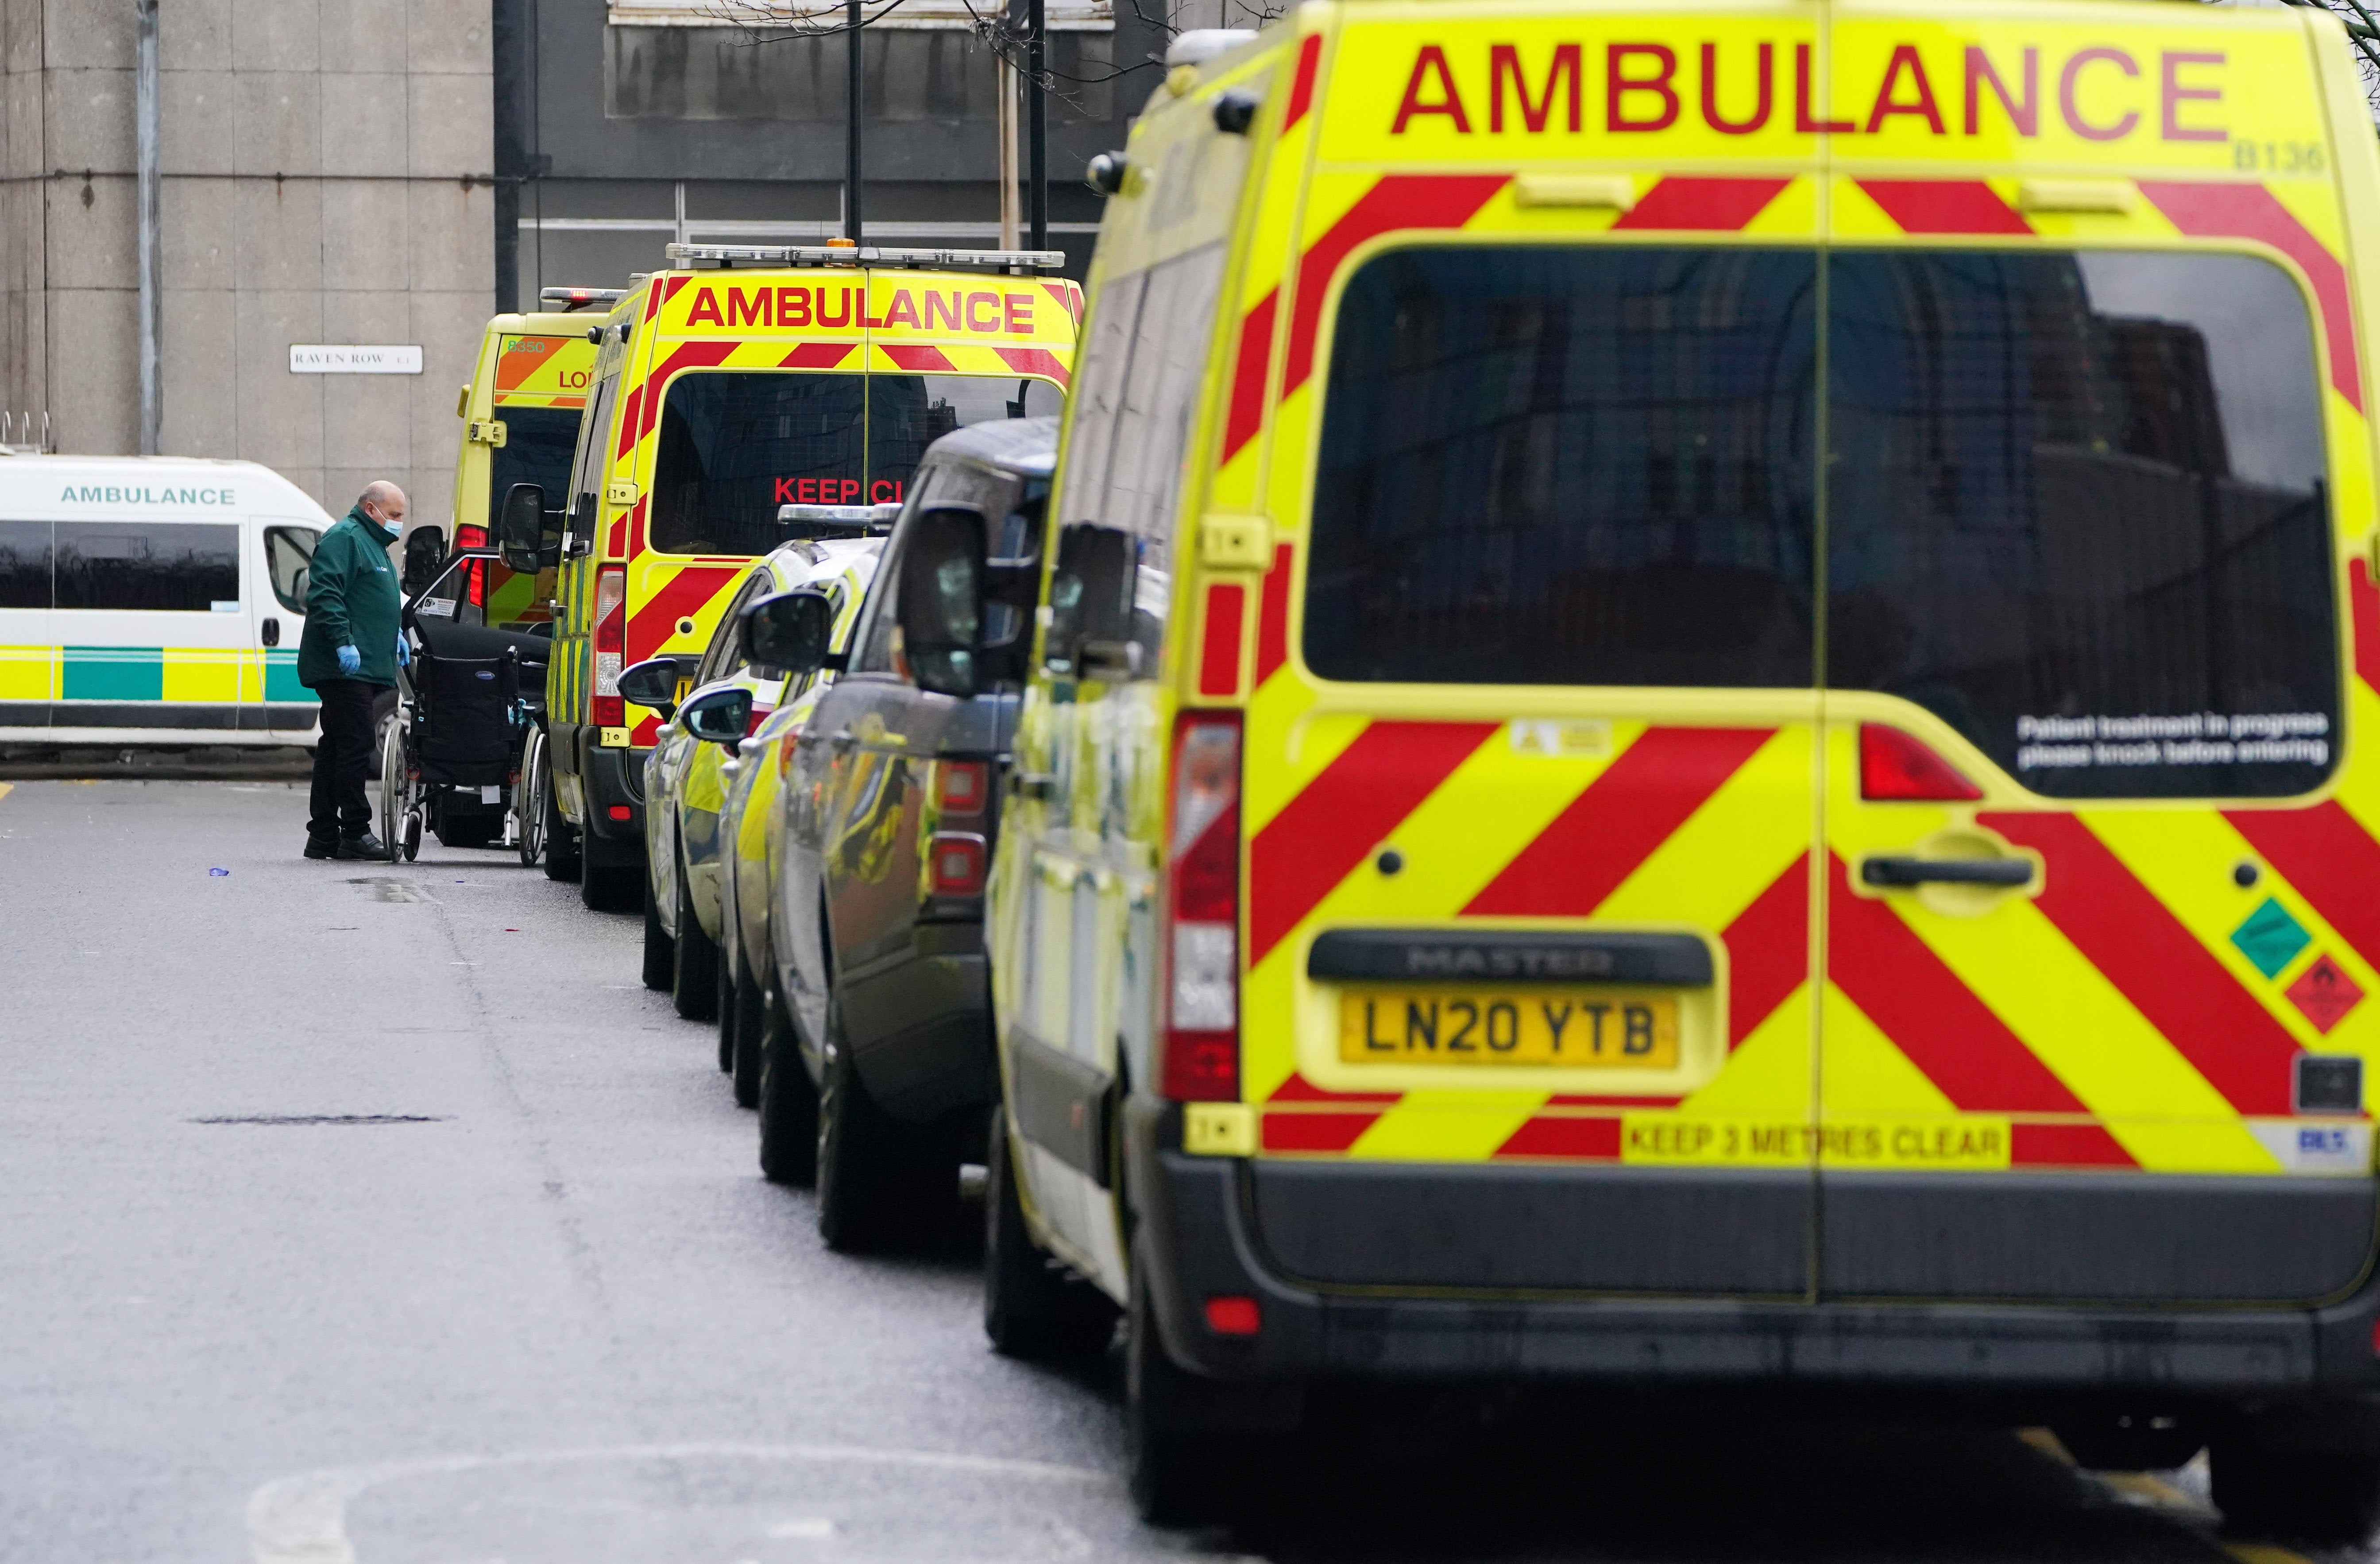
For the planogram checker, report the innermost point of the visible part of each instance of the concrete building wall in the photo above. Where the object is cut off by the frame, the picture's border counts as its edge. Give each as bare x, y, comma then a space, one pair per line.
326, 179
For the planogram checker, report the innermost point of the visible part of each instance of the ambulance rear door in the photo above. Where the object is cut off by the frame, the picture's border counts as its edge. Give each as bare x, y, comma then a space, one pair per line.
1530, 755
2099, 841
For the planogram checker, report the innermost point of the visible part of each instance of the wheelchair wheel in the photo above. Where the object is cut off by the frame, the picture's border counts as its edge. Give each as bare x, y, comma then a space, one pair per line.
395, 805
528, 797
412, 835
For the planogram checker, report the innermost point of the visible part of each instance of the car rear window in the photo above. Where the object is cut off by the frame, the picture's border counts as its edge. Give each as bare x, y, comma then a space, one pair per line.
2074, 504
1545, 465
2077, 509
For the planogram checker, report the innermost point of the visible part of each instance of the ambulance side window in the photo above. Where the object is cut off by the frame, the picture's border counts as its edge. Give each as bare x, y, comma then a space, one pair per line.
25, 564
289, 556
586, 471
1138, 399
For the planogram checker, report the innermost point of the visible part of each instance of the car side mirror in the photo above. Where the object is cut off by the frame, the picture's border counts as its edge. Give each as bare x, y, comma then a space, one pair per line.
718, 716
939, 605
425, 550
790, 632
653, 682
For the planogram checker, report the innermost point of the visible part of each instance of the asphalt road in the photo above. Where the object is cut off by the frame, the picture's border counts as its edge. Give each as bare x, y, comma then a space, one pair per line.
351, 1211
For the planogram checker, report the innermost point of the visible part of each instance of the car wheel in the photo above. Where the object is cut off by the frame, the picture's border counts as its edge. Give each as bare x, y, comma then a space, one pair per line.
879, 1182
2330, 1498
563, 857
694, 984
659, 960
740, 1026
1031, 1308
789, 1102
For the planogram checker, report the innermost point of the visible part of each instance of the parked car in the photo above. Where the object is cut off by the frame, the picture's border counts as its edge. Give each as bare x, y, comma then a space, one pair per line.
876, 926
686, 780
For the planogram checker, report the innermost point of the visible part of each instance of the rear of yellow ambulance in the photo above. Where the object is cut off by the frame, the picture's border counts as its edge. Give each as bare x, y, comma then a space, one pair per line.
749, 381
1801, 812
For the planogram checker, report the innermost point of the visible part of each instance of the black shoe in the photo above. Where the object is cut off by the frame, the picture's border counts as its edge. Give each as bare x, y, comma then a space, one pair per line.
315, 848
365, 845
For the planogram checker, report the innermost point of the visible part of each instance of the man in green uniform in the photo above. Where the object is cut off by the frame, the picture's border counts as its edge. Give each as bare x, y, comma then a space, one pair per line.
350, 654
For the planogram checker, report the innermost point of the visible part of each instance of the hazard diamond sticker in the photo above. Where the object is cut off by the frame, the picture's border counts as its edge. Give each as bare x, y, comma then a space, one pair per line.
2271, 938
2324, 992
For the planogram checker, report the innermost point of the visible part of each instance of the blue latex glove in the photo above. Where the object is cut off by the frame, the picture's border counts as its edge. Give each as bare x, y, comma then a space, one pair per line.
404, 653
350, 659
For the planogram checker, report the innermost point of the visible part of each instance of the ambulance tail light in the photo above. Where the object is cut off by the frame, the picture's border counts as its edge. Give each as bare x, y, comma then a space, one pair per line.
1897, 767
610, 641
475, 573
1202, 988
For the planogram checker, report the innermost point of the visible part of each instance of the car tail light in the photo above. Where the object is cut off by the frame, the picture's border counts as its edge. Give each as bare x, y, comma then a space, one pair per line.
1231, 1313
1202, 989
955, 863
960, 787
621, 812
1896, 766
610, 641
760, 715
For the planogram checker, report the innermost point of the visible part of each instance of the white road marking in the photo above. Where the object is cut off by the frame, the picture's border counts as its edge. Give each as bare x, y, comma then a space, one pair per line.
815, 1528
302, 1519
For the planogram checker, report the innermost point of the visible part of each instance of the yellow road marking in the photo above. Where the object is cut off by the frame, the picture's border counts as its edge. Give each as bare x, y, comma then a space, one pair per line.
6, 788
2261, 1553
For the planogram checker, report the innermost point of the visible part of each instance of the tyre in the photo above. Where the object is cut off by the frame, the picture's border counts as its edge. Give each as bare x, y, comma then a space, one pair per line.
880, 1183
694, 976
2326, 1497
741, 1022
723, 1010
412, 835
562, 845
1178, 1475
529, 797
789, 1103
610, 887
1031, 1308
659, 958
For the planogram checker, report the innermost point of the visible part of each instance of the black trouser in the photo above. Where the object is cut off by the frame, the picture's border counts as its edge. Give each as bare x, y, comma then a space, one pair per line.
343, 760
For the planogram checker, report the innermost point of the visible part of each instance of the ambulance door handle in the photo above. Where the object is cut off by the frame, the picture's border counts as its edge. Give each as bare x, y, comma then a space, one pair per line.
843, 739
1895, 873
271, 632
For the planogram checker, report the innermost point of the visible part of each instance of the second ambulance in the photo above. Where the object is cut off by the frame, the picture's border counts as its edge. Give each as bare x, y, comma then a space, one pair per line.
736, 383
1703, 720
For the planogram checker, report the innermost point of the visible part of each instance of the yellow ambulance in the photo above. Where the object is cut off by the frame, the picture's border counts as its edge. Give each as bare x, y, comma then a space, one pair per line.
737, 383
520, 418
1701, 721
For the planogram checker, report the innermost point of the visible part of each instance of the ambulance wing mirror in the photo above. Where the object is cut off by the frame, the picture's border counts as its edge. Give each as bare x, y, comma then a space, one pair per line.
791, 632
425, 550
520, 527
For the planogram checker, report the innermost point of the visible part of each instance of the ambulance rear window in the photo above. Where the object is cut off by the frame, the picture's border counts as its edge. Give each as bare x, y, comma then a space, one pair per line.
734, 446
1547, 465
537, 450
2077, 509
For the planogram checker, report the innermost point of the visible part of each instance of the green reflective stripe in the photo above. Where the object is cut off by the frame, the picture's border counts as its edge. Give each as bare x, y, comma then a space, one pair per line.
281, 678
113, 673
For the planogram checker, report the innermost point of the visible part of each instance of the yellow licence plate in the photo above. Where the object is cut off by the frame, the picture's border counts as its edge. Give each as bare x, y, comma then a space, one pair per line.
1587, 1028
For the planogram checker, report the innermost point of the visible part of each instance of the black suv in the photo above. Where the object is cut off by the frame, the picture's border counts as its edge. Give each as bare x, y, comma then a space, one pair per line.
890, 810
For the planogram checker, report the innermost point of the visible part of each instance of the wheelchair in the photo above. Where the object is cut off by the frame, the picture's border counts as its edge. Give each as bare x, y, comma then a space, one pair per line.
469, 704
